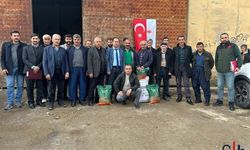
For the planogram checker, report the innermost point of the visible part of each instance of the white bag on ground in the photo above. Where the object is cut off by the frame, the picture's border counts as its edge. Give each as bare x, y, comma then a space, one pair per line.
144, 93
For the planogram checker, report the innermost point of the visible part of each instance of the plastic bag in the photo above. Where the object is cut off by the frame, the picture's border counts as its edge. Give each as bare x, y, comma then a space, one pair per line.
104, 93
154, 95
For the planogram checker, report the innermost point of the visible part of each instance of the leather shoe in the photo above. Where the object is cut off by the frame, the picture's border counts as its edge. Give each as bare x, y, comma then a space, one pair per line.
83, 103
189, 101
179, 99
73, 103
31, 106
51, 106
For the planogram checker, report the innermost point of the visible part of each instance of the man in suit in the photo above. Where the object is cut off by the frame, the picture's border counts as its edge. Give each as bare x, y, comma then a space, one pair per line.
56, 70
144, 57
183, 71
12, 66
115, 61
32, 58
127, 86
97, 64
46, 42
77, 56
163, 68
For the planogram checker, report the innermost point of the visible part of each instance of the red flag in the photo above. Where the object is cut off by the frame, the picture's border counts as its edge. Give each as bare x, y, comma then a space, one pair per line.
140, 29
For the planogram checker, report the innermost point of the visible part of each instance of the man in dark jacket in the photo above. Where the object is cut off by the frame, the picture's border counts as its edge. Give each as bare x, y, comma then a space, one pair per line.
46, 42
77, 56
163, 68
182, 68
56, 70
12, 66
32, 58
97, 64
127, 86
152, 79
144, 57
245, 53
202, 65
225, 53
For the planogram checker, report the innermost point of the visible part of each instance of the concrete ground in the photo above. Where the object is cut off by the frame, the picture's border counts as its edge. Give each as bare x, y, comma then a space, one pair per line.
164, 126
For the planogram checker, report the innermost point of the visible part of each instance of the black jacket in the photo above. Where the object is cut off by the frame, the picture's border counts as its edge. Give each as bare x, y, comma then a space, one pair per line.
247, 57
147, 58
30, 59
154, 63
169, 56
188, 60
120, 81
6, 57
208, 63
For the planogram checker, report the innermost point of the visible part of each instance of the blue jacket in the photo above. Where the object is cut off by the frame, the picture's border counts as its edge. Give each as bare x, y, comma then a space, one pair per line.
110, 58
70, 52
49, 61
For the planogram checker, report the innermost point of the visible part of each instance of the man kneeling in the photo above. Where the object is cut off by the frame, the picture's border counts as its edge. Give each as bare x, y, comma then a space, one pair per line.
127, 86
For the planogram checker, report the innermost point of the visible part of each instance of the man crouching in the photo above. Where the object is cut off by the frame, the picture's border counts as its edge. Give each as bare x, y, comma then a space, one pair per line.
127, 86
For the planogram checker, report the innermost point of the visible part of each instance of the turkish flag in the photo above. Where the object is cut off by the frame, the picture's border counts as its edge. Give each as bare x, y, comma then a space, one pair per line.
140, 31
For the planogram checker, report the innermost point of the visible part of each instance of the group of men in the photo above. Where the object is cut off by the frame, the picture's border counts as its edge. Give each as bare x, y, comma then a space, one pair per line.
74, 69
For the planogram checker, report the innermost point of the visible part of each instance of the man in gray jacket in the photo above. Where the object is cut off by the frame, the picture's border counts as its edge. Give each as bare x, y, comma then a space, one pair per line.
96, 69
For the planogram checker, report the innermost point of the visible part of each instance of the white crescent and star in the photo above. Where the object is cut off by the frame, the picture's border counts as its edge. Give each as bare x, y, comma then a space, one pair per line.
139, 25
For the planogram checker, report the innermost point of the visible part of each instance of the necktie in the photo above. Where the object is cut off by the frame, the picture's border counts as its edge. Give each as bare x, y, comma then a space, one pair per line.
117, 58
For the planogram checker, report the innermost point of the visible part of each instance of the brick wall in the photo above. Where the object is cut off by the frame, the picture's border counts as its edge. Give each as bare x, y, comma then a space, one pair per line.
15, 15
114, 17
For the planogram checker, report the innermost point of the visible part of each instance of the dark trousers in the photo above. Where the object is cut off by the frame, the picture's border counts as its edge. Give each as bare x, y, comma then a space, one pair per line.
115, 71
182, 75
163, 74
66, 84
30, 90
93, 82
57, 81
77, 78
199, 80
45, 89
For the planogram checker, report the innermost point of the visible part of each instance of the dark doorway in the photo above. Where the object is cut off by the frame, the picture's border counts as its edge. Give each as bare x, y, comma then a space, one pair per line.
57, 16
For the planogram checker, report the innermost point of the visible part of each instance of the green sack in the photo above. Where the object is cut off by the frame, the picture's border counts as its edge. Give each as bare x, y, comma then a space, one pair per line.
154, 93
104, 93
141, 74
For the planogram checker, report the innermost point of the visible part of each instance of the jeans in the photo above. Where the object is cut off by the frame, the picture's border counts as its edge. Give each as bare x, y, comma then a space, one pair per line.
11, 80
77, 77
229, 78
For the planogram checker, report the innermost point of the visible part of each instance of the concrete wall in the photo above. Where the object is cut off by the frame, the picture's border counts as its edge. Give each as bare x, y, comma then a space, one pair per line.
207, 19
